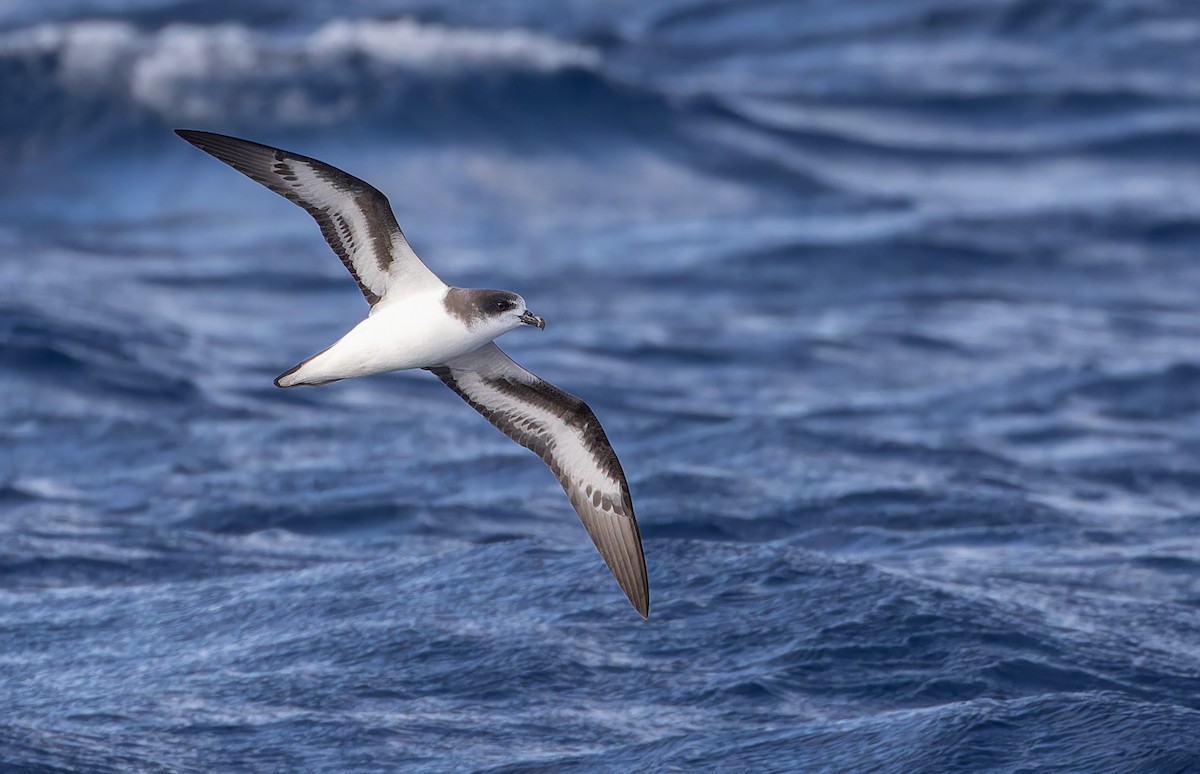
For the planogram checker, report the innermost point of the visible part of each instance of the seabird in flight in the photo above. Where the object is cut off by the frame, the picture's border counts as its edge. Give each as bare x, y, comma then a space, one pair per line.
418, 321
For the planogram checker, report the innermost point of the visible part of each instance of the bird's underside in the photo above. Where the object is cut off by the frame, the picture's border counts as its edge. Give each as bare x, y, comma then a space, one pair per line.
357, 221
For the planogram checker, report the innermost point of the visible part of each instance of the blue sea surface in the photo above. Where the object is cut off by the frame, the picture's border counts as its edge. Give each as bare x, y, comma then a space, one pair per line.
891, 311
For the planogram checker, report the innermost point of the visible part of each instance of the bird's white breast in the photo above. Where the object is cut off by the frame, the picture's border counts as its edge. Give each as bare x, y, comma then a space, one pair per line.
413, 332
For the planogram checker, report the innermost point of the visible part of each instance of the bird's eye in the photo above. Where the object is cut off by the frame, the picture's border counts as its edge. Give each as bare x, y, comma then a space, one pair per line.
499, 303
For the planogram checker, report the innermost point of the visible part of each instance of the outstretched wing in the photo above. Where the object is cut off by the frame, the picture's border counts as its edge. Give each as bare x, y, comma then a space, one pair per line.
564, 432
354, 217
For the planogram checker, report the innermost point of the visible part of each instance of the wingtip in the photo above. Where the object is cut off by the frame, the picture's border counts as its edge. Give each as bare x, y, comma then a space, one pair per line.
195, 138
636, 589
638, 595
206, 140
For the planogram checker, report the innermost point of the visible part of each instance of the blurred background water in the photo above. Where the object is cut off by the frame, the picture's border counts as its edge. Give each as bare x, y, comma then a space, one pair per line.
890, 310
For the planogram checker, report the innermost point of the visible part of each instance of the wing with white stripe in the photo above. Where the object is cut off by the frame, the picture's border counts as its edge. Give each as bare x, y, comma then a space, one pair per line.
564, 432
354, 217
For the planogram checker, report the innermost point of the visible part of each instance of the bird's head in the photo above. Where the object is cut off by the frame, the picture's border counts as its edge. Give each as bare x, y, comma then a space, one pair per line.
492, 310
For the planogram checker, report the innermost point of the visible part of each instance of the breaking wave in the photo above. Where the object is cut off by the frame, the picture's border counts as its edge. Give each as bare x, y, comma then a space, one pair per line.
68, 75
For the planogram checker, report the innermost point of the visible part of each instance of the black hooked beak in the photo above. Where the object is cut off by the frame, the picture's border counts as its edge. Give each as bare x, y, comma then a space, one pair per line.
529, 318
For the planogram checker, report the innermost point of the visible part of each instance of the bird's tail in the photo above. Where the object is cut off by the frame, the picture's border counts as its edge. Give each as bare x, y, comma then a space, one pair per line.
305, 372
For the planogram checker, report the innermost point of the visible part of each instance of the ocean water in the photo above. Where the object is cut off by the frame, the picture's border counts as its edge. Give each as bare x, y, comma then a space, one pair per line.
891, 311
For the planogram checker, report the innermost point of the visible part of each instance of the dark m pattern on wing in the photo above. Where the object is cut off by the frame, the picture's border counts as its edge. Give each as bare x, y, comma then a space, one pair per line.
571, 410
380, 222
277, 170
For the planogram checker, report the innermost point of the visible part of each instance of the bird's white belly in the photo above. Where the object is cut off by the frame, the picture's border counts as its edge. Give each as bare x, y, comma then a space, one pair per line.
414, 334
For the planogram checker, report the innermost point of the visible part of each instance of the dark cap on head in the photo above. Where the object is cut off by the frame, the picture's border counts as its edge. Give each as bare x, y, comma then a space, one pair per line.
473, 306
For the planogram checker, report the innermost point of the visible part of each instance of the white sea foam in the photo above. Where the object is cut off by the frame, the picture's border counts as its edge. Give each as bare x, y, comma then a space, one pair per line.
195, 72
406, 43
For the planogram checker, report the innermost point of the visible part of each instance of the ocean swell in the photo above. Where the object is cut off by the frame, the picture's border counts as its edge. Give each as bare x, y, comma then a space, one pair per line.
70, 73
